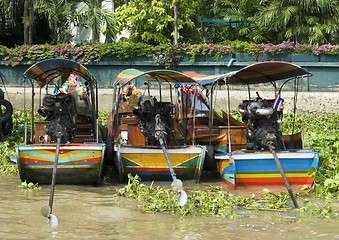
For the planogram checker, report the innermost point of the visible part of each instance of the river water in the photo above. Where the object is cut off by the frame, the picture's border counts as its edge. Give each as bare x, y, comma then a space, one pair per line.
86, 212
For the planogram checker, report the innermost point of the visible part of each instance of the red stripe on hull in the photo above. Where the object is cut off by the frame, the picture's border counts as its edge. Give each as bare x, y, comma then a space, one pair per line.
61, 151
230, 185
29, 160
274, 181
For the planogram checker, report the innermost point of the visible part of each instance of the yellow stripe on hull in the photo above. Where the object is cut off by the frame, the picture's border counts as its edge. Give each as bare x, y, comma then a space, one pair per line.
270, 175
158, 159
59, 166
224, 164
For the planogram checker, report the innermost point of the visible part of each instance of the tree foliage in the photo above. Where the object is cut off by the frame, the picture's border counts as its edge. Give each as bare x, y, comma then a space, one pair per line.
60, 15
313, 21
95, 16
152, 21
207, 21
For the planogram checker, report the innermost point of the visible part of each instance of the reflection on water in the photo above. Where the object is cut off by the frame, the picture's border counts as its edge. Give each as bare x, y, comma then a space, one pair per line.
92, 213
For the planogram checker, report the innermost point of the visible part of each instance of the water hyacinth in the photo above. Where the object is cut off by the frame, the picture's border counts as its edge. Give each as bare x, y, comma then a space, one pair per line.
212, 201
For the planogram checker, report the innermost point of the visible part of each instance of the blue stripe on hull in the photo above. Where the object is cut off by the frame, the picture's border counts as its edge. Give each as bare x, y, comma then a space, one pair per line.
264, 161
270, 165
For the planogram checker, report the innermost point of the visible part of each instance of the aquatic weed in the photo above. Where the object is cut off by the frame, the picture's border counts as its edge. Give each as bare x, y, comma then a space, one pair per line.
25, 185
312, 208
212, 201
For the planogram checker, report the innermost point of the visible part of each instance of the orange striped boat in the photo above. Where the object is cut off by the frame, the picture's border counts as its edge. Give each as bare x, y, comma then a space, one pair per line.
72, 112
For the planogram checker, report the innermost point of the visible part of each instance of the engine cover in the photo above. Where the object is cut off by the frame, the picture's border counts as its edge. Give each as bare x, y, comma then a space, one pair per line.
263, 123
153, 115
60, 110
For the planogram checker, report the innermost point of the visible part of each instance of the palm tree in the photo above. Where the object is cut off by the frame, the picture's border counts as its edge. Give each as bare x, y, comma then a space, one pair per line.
60, 15
14, 7
244, 14
94, 16
304, 21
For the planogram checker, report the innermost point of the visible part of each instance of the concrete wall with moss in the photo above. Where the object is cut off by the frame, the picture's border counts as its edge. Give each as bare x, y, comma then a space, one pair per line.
325, 68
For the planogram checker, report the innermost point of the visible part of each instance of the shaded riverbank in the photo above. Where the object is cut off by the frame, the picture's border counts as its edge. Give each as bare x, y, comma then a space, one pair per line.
308, 102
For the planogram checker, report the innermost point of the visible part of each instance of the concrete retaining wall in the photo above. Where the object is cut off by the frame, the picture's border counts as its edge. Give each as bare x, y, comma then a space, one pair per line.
325, 68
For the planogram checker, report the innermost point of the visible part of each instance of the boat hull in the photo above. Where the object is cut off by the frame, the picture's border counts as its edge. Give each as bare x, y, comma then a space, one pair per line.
259, 168
78, 164
150, 163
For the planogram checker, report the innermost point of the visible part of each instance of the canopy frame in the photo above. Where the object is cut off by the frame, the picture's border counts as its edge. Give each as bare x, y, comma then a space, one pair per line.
58, 70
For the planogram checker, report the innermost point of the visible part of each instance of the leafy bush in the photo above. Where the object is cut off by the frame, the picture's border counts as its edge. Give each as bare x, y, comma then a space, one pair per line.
89, 52
7, 147
292, 47
322, 133
215, 50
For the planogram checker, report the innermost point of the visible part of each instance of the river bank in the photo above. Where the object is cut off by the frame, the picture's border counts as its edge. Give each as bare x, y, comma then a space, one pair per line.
308, 102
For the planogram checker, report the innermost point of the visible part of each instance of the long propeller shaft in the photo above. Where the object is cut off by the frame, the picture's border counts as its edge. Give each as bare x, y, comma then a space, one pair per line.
272, 149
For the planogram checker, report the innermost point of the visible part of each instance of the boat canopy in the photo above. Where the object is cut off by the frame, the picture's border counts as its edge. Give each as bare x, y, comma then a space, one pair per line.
51, 70
155, 75
261, 72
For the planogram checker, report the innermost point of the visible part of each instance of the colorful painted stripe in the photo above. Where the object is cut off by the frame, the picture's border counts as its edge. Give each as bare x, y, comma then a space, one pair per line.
259, 181
69, 156
186, 161
259, 168
158, 160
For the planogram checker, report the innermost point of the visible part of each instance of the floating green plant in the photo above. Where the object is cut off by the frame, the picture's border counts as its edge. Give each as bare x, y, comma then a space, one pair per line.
30, 185
213, 201
312, 208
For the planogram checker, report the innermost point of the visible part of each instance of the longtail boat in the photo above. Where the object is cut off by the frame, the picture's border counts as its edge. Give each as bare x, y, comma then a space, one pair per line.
70, 113
254, 151
142, 134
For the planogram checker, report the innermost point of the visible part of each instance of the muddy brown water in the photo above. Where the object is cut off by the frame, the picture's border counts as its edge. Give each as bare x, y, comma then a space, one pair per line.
86, 212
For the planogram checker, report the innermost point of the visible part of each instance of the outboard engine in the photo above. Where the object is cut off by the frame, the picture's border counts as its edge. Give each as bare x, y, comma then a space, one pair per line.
263, 123
60, 110
154, 116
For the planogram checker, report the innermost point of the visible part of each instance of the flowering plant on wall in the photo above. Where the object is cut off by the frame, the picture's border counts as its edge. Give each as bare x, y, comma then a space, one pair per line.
87, 53
293, 47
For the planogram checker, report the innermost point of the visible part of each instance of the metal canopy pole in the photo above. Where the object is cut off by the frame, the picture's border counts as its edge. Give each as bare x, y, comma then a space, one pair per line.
211, 116
193, 113
229, 115
32, 112
116, 115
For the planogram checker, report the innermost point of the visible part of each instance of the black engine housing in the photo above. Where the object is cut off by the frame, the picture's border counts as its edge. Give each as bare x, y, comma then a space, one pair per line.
146, 112
263, 123
60, 110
